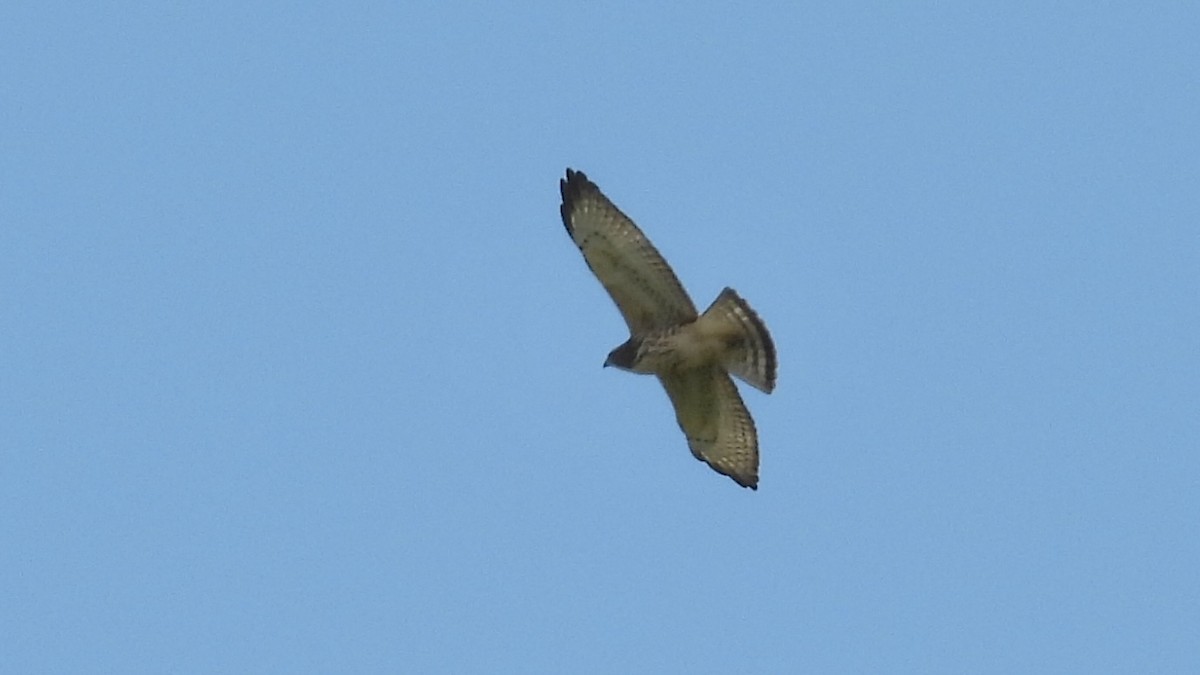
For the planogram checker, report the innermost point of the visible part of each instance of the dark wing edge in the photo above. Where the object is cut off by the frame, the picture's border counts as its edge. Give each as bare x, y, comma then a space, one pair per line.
718, 427
636, 276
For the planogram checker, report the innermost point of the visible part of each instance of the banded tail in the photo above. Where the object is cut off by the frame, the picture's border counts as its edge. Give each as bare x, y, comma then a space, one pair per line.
750, 353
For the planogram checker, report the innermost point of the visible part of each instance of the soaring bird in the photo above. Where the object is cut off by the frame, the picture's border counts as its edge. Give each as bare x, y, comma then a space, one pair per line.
693, 355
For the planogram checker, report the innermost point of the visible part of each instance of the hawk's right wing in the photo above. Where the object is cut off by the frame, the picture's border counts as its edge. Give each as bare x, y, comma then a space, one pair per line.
633, 272
718, 427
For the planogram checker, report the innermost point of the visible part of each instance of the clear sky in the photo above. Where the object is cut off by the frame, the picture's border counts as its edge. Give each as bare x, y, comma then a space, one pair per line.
299, 371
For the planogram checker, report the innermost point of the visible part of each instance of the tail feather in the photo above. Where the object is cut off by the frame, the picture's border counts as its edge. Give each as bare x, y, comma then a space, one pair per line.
751, 353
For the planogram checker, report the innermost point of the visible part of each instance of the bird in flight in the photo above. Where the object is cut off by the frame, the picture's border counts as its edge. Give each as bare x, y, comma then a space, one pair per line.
693, 355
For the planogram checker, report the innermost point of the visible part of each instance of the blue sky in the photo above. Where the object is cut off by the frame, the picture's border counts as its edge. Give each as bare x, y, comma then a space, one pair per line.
299, 371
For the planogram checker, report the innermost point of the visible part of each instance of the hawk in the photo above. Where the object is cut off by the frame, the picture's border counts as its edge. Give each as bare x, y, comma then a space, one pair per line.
692, 354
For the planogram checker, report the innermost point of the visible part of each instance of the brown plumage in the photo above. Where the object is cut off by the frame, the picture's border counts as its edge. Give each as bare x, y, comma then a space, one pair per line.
692, 355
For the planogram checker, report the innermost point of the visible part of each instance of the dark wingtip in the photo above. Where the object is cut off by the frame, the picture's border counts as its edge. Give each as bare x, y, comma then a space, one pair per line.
743, 481
571, 189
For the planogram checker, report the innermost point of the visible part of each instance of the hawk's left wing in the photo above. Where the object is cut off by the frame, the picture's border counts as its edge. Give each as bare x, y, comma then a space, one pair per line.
714, 419
633, 272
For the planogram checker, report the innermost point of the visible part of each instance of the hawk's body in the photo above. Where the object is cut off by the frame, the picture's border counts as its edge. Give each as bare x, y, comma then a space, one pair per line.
692, 355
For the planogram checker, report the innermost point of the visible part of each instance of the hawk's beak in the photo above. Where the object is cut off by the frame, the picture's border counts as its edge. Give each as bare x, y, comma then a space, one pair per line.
607, 361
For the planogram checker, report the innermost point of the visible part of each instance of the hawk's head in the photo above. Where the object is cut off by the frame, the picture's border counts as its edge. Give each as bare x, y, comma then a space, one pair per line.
623, 357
